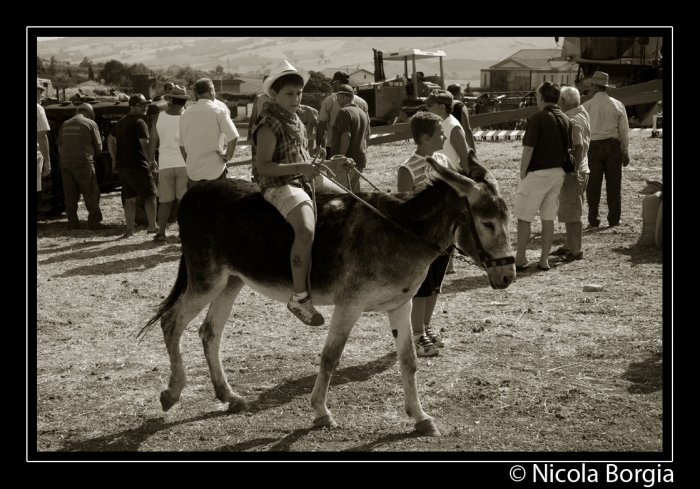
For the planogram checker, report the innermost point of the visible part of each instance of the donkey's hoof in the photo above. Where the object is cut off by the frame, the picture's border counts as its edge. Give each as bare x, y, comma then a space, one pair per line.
427, 428
326, 421
166, 401
237, 406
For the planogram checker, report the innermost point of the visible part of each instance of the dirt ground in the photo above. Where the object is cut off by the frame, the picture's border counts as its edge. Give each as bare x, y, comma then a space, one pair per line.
540, 367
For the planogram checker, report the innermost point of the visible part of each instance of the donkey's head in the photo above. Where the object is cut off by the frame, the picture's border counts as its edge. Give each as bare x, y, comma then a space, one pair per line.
483, 229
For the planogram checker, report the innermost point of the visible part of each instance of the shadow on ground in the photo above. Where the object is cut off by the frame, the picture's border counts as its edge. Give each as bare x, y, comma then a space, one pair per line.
285, 392
646, 376
641, 254
130, 440
165, 254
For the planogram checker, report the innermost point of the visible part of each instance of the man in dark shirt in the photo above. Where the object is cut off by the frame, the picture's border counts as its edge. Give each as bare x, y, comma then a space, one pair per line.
350, 133
79, 143
128, 145
461, 113
541, 173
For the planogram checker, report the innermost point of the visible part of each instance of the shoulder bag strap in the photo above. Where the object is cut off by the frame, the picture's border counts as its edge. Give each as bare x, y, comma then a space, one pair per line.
564, 136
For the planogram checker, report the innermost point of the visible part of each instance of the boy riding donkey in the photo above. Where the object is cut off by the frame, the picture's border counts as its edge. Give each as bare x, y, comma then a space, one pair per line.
282, 167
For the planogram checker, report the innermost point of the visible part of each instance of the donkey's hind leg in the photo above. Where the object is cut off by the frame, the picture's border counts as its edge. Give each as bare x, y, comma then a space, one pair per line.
400, 323
210, 333
173, 324
344, 318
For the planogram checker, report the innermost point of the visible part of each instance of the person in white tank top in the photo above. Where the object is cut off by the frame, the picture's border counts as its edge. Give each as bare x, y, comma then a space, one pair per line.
456, 149
413, 174
172, 172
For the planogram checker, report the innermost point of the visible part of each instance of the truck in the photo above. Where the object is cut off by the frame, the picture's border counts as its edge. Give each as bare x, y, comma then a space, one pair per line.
107, 113
628, 61
396, 99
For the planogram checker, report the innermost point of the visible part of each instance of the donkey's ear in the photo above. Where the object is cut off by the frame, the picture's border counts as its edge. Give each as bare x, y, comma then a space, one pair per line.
477, 171
464, 186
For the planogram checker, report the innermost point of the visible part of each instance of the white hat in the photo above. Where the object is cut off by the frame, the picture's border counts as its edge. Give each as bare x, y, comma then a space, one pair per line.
283, 68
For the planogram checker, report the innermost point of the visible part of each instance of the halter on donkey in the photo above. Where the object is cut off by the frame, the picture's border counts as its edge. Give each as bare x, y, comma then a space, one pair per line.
232, 237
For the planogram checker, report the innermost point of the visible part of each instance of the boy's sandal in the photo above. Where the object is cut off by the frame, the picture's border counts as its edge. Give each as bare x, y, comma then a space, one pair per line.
159, 237
519, 268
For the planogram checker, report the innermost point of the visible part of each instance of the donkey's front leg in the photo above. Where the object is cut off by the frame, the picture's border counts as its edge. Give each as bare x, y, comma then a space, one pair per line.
344, 318
400, 323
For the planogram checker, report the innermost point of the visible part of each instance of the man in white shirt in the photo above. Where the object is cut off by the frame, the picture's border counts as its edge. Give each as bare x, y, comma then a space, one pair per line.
208, 137
440, 102
608, 151
43, 160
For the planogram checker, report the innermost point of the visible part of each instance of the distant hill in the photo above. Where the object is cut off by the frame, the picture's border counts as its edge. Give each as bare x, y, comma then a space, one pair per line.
250, 56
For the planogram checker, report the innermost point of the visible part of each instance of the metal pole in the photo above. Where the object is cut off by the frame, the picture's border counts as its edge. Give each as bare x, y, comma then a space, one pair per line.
416, 91
442, 76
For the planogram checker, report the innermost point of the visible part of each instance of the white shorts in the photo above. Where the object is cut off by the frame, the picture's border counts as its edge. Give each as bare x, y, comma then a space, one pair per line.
287, 197
539, 191
172, 183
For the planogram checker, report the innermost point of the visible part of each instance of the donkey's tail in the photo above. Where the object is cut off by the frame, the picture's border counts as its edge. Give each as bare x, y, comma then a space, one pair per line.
174, 297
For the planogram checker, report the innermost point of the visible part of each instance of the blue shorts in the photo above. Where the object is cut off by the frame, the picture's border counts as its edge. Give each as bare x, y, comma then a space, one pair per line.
433, 280
538, 191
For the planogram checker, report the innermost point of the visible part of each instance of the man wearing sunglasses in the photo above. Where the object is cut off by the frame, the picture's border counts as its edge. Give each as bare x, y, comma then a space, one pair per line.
128, 146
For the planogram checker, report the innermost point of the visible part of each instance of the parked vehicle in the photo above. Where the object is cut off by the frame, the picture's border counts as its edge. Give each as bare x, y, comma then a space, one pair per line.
399, 97
627, 60
107, 113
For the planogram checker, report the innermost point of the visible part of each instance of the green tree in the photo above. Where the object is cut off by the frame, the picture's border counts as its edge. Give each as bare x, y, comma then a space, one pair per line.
52, 67
39, 66
318, 83
187, 75
219, 70
85, 63
91, 74
114, 72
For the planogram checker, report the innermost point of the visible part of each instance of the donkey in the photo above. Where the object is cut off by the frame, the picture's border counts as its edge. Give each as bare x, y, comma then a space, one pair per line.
364, 259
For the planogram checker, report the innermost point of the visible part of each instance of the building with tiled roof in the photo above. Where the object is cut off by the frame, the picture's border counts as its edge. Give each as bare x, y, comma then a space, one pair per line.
527, 69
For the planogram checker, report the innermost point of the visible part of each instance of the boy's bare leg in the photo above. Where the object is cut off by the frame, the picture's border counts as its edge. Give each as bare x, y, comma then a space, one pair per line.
429, 308
163, 215
417, 314
301, 218
149, 206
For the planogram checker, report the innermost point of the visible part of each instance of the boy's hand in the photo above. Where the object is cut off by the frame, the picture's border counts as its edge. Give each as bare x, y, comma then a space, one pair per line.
308, 170
223, 155
341, 163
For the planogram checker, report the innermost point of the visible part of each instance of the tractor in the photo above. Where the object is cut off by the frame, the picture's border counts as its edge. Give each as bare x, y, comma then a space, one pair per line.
396, 99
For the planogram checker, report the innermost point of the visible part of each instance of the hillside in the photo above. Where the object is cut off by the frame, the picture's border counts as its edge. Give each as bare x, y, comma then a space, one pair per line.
252, 55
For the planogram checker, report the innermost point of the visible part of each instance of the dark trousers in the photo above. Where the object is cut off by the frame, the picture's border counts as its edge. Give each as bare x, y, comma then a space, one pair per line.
80, 178
604, 160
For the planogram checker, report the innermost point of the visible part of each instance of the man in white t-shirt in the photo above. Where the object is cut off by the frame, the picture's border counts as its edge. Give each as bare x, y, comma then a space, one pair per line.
171, 167
440, 102
43, 160
205, 128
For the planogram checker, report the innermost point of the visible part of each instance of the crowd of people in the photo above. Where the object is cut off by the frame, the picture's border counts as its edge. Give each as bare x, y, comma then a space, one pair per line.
194, 145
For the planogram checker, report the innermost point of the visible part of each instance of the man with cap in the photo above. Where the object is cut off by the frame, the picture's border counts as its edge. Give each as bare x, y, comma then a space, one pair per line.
329, 111
461, 113
608, 151
79, 143
349, 133
43, 160
172, 171
128, 146
207, 136
455, 148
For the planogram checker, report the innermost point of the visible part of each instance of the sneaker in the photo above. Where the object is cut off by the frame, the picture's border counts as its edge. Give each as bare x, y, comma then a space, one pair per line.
305, 311
424, 347
561, 251
434, 337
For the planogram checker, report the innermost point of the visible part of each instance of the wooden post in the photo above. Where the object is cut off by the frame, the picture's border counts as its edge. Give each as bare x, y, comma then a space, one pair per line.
416, 88
442, 76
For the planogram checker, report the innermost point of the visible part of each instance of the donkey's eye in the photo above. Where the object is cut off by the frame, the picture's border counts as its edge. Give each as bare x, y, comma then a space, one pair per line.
489, 225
